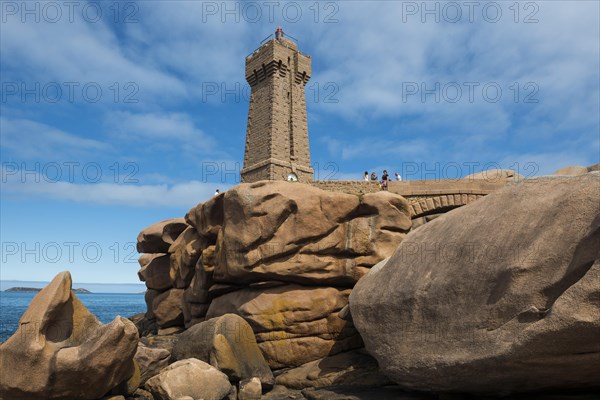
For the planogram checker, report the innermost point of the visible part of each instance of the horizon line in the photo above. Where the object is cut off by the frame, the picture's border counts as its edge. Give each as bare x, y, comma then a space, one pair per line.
78, 283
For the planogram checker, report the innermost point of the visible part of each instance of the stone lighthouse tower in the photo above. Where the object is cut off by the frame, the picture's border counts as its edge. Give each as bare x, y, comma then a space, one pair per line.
277, 134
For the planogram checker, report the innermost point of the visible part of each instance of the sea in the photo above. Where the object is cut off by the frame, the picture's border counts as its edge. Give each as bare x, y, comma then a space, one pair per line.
105, 306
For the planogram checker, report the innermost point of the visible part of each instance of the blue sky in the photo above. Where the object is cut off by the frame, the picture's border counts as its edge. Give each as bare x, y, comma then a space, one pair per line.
115, 115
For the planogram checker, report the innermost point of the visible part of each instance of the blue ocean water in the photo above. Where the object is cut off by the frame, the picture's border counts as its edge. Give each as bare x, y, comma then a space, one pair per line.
105, 306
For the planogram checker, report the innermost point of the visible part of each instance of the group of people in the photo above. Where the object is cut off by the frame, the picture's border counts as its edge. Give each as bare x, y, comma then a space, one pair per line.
384, 178
373, 177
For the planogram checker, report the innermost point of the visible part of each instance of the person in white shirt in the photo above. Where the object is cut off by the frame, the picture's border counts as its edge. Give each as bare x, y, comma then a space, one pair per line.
398, 177
217, 192
366, 177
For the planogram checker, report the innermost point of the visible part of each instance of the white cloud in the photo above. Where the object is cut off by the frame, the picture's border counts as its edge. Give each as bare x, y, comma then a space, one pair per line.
170, 126
377, 54
183, 37
538, 164
156, 131
364, 148
369, 54
168, 52
27, 139
185, 194
80, 52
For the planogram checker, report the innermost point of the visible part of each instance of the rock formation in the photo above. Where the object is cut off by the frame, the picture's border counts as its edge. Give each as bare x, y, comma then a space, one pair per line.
151, 361
189, 378
250, 389
158, 237
576, 170
61, 351
293, 324
228, 344
496, 175
573, 170
283, 256
351, 368
468, 302
501, 295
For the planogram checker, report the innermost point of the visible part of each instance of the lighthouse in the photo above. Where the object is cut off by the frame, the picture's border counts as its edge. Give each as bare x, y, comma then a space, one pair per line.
277, 145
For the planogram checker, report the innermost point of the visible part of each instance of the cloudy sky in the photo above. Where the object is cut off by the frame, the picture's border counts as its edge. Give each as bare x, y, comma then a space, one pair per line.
117, 114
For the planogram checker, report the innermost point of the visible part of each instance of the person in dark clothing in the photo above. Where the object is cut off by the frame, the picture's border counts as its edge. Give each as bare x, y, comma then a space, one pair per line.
384, 180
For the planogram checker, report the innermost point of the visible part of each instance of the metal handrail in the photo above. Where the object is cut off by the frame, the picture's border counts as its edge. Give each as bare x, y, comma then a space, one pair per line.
291, 37
269, 37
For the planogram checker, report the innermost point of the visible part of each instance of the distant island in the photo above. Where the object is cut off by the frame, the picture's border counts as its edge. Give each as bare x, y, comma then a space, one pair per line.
33, 290
123, 288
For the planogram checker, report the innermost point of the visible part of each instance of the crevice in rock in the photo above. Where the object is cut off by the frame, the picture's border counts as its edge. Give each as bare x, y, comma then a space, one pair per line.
585, 255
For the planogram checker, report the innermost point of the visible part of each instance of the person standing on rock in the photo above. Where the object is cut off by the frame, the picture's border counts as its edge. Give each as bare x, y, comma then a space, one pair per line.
384, 180
366, 176
217, 192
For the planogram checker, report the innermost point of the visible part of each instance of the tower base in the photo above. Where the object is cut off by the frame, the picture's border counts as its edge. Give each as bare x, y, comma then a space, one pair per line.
273, 169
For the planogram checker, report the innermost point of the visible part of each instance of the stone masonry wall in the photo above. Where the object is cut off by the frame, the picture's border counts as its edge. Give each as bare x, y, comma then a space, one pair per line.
425, 197
277, 132
349, 187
